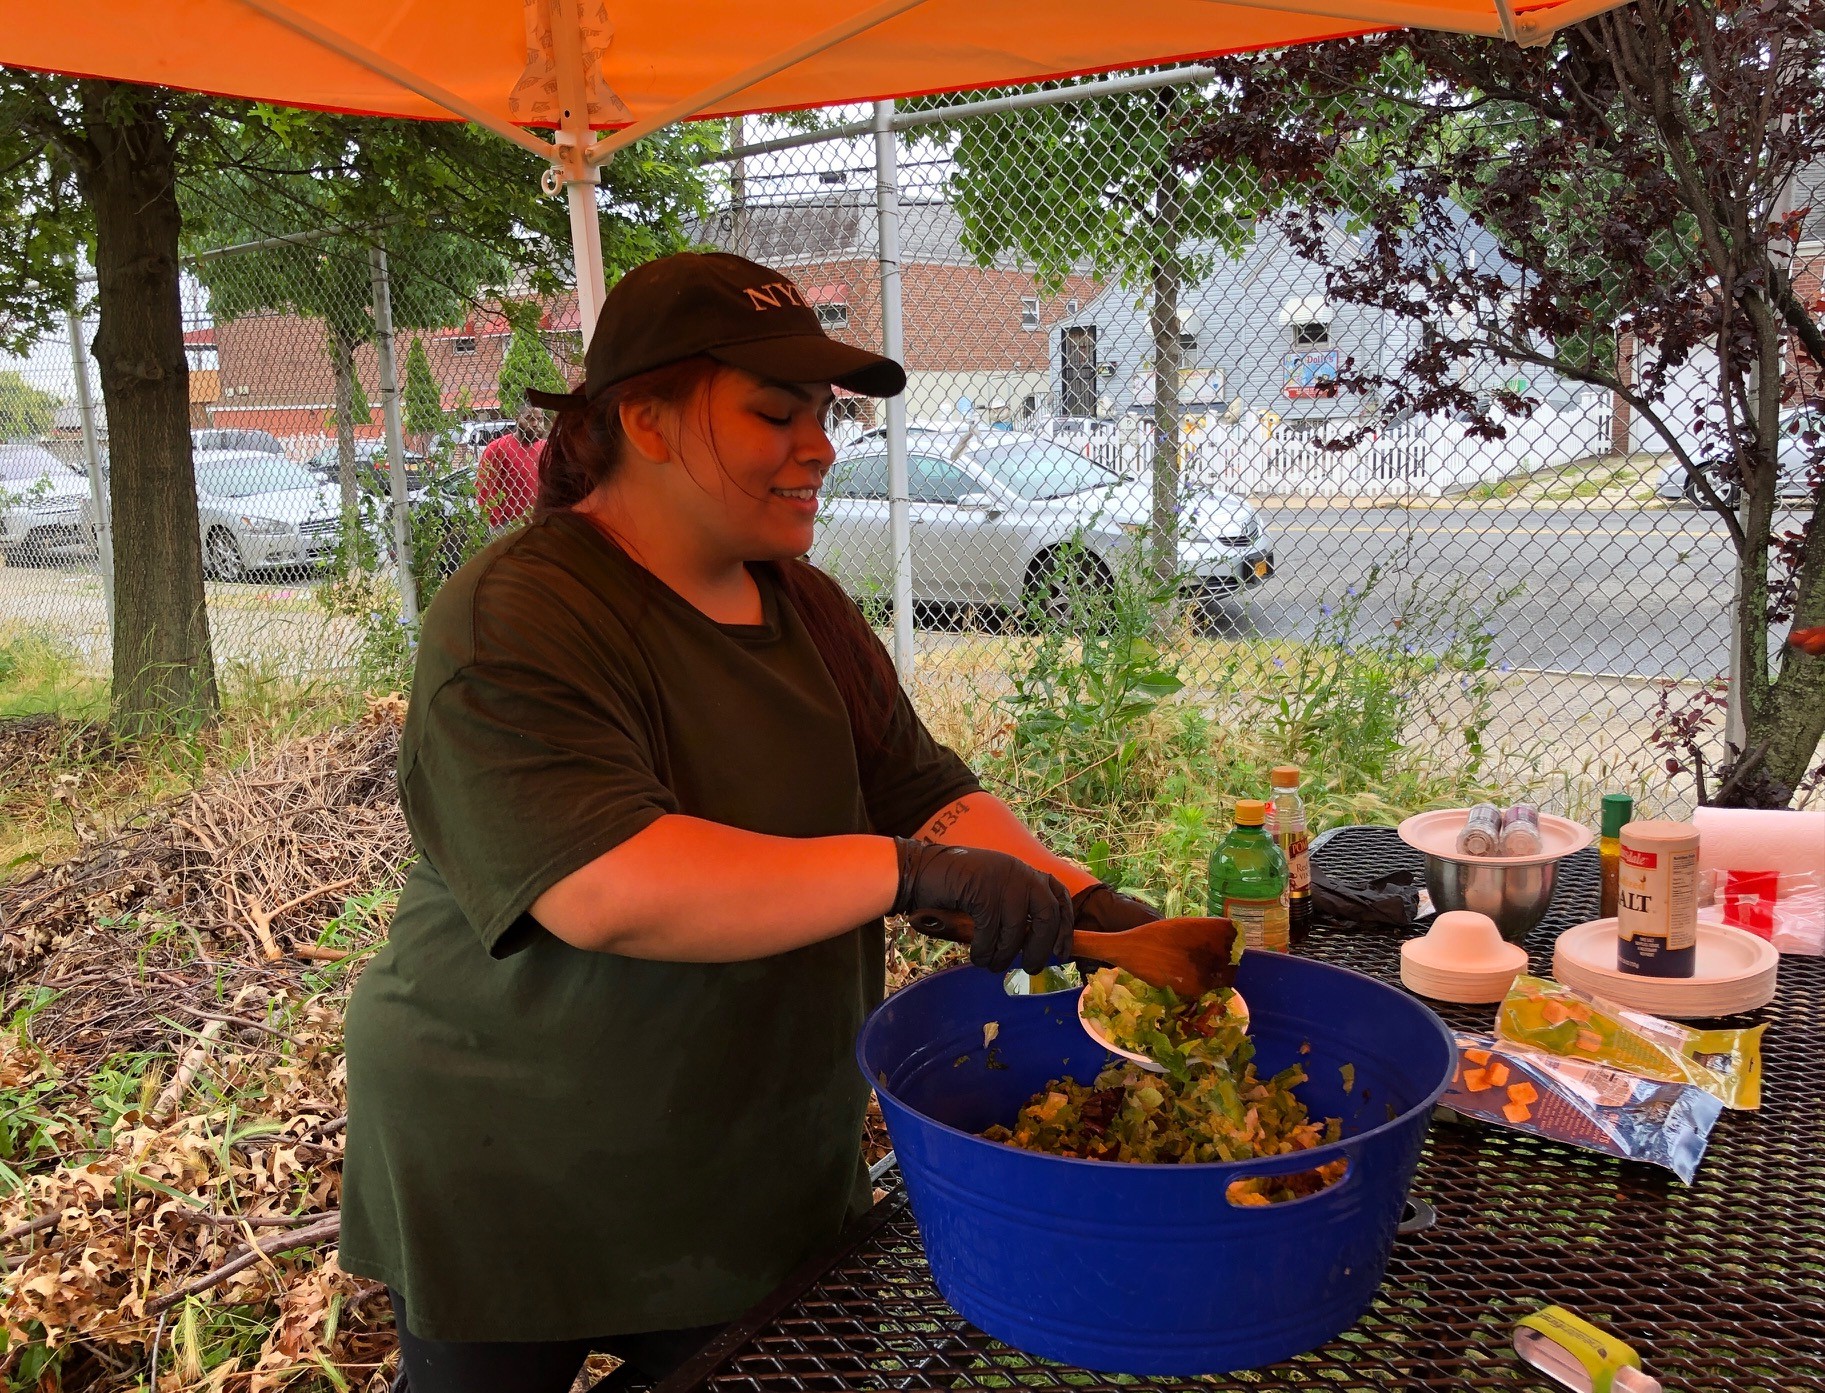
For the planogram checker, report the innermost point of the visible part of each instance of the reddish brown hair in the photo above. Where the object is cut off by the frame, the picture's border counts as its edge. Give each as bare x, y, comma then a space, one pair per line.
586, 447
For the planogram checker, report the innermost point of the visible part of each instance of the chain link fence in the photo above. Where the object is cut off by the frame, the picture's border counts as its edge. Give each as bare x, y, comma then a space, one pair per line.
1055, 280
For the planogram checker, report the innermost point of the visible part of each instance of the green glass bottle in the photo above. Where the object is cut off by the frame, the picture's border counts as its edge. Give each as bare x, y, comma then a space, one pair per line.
1248, 875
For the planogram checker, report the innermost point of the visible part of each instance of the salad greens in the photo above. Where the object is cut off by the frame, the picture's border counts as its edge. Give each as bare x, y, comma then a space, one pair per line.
1221, 1110
1173, 1033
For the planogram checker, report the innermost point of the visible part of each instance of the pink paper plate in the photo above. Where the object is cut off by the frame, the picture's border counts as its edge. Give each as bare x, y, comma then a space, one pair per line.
1435, 833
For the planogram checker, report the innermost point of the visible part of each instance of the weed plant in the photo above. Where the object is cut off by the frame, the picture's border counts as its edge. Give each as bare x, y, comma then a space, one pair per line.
1105, 746
447, 528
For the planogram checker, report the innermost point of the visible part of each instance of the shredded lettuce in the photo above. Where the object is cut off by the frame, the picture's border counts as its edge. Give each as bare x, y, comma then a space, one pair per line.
1174, 1033
1221, 1110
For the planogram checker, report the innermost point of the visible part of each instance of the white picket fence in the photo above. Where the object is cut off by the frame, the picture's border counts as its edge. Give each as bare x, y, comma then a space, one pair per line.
1427, 457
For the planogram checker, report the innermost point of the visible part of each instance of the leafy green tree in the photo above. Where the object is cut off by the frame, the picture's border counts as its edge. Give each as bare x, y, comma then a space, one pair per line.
25, 411
126, 177
89, 171
527, 363
1634, 171
424, 399
1096, 185
456, 208
361, 411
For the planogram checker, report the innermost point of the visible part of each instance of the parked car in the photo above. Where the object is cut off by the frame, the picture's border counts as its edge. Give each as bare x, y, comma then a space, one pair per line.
370, 466
259, 441
994, 517
260, 512
44, 506
480, 433
1801, 429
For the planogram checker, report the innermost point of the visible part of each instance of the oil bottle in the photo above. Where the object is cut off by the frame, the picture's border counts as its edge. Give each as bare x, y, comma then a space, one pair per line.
1248, 880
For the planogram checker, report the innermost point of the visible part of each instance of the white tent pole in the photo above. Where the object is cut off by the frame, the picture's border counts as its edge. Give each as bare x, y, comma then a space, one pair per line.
581, 177
893, 344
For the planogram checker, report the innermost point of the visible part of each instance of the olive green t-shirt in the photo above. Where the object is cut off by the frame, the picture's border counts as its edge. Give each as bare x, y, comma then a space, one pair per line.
546, 1143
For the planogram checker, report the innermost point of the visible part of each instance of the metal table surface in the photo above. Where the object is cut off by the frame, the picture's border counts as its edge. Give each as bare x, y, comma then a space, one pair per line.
1720, 1285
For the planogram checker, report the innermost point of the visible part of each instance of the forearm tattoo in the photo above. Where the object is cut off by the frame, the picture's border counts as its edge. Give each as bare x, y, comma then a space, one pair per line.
944, 821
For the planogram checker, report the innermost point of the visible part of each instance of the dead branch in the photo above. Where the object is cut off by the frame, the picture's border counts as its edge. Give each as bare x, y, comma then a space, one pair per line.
186, 1070
31, 1226
328, 1227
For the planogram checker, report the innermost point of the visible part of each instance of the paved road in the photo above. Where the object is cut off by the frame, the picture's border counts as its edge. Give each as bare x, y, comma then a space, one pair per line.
1635, 592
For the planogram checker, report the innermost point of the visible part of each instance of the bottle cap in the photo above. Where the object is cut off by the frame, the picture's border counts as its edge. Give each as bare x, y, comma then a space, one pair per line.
1250, 812
1284, 776
1618, 808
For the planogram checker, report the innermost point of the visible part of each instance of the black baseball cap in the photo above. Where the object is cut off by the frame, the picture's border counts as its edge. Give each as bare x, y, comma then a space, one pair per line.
723, 307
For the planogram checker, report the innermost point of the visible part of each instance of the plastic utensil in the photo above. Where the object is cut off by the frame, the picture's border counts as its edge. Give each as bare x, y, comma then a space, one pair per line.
1191, 955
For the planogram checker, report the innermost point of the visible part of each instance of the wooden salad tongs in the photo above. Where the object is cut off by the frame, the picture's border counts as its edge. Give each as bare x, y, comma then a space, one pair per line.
1190, 955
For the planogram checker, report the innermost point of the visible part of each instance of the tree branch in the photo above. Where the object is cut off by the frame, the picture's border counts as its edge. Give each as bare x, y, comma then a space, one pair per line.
328, 1227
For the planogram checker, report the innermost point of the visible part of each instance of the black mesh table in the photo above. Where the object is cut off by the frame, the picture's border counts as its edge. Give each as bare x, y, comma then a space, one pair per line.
1719, 1285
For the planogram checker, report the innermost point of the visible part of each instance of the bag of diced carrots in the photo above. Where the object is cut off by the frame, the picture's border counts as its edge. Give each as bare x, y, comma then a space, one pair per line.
1581, 1103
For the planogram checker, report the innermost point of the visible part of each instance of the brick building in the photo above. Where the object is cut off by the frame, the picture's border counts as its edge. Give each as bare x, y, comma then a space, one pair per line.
973, 334
275, 370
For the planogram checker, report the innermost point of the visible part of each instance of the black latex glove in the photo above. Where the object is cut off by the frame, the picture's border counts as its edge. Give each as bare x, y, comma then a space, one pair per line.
1020, 913
1100, 909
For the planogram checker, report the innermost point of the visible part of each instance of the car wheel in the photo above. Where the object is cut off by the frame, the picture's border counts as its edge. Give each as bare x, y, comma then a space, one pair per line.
1063, 592
1730, 493
222, 559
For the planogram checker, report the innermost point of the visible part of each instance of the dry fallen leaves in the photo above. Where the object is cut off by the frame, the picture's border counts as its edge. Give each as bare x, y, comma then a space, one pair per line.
226, 1189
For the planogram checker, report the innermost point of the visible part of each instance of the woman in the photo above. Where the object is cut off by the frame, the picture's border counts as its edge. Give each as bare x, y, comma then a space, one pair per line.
664, 787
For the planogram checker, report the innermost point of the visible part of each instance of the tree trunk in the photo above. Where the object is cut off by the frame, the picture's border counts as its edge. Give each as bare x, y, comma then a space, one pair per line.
342, 362
1796, 700
1168, 355
1783, 711
163, 673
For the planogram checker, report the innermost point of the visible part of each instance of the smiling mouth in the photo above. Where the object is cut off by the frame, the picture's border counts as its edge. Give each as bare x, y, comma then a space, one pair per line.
802, 495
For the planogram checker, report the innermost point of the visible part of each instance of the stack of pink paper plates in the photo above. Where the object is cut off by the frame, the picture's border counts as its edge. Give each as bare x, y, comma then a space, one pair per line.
1735, 972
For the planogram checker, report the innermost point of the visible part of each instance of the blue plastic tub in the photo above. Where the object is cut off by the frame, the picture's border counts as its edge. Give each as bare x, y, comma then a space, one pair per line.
1149, 1269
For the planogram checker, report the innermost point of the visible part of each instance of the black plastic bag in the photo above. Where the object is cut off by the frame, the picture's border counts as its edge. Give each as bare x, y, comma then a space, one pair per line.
1388, 901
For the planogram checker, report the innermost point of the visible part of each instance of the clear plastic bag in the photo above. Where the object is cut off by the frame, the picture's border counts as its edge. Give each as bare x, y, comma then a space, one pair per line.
1582, 1103
1786, 908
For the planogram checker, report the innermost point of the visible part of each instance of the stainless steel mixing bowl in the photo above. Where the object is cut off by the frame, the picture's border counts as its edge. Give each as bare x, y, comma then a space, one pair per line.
1516, 897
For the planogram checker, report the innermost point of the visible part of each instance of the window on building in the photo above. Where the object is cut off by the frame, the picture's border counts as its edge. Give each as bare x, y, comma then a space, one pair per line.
1071, 306
833, 317
462, 347
1311, 333
1029, 311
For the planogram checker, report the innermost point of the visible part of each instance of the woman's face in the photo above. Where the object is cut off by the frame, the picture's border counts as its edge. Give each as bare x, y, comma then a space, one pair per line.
752, 454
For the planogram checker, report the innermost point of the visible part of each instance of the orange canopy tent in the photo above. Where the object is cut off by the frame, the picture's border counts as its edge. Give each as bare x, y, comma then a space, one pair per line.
632, 66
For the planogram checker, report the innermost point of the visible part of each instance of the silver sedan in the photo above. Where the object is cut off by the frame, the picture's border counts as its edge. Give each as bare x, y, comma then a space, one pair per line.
1008, 520
260, 512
